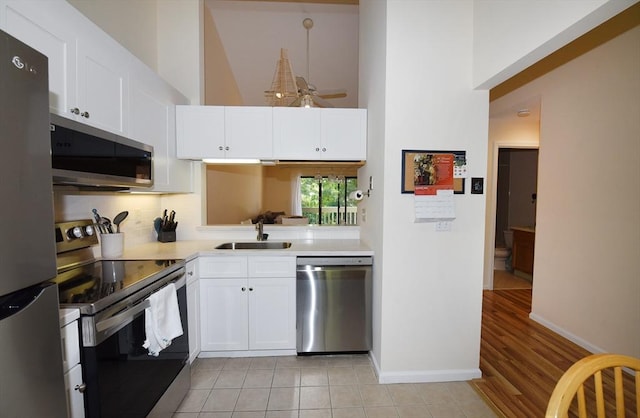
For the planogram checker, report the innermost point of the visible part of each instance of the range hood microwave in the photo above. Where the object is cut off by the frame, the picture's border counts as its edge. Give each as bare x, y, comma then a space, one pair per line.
85, 156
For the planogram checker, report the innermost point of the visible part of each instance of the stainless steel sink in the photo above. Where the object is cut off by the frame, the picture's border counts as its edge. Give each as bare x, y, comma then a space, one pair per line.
258, 245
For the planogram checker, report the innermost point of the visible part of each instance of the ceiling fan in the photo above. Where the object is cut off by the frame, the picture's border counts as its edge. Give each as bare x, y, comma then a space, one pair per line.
308, 95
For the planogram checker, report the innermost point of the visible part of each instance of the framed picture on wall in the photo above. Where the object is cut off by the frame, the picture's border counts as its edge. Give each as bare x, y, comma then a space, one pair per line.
408, 172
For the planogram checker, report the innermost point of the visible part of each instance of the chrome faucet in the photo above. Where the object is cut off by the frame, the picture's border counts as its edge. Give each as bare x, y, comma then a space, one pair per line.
259, 228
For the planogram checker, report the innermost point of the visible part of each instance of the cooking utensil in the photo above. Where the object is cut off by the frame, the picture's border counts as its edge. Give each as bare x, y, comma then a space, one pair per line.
157, 225
106, 224
97, 217
119, 218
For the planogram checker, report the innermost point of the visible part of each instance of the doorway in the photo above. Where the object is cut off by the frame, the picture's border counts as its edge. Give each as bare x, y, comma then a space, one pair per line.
517, 190
516, 197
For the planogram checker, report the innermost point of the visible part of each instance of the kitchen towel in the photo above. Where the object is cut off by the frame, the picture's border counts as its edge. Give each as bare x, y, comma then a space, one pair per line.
162, 319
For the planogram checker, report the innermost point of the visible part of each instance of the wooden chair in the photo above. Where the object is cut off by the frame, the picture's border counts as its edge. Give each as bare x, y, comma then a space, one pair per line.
606, 393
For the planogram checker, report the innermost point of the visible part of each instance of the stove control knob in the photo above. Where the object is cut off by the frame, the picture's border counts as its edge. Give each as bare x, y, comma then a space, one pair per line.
88, 230
74, 233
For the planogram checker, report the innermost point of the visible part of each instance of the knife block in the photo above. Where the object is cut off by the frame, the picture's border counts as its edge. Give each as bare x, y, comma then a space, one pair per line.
167, 236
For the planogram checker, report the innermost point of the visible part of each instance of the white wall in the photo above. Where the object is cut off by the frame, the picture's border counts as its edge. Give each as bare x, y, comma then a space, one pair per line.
588, 231
429, 301
372, 95
137, 227
509, 36
132, 23
180, 47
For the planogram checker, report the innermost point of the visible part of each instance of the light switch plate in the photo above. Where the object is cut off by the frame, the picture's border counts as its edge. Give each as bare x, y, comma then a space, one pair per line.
443, 226
477, 185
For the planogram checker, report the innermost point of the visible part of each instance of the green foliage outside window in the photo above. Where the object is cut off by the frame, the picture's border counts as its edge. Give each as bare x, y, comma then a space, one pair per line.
326, 200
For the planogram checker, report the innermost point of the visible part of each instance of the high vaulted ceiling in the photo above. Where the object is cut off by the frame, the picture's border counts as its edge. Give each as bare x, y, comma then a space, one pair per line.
311, 1
251, 33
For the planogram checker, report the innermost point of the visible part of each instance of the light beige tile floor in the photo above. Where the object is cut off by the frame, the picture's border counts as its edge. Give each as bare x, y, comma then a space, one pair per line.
341, 386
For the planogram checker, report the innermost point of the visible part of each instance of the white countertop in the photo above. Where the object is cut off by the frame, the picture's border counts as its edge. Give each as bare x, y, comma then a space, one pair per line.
187, 250
68, 315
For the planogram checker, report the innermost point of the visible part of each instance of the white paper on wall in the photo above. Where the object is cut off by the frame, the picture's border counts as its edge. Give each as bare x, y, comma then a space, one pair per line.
433, 208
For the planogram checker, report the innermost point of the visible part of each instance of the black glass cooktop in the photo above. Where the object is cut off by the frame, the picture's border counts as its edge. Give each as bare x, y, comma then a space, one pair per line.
96, 281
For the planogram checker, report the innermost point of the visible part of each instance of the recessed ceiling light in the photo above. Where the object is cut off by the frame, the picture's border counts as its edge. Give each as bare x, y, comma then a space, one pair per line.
523, 113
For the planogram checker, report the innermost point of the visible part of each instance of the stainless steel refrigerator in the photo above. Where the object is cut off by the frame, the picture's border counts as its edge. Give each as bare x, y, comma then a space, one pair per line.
31, 374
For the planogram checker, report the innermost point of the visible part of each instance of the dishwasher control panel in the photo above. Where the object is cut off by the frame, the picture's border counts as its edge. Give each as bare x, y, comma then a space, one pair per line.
334, 261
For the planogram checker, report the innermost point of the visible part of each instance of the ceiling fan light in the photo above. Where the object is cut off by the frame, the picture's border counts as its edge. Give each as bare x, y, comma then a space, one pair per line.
306, 101
283, 88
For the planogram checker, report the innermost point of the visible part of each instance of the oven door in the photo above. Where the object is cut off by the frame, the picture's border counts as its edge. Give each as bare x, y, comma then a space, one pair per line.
122, 379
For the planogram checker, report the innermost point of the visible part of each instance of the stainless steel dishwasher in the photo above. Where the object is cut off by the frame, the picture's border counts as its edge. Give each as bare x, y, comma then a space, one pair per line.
333, 298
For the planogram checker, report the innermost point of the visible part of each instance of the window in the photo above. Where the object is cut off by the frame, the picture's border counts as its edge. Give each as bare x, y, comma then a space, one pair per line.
325, 200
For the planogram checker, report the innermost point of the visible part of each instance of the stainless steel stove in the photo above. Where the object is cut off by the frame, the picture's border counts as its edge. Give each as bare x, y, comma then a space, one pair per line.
112, 298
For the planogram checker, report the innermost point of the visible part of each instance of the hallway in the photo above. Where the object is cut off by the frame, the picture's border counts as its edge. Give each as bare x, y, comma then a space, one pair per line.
521, 360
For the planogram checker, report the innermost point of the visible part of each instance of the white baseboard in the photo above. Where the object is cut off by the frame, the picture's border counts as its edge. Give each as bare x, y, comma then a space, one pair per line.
256, 353
425, 376
566, 334
429, 376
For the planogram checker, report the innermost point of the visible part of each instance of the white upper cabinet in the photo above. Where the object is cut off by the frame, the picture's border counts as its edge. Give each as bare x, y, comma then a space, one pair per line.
296, 133
88, 78
200, 132
39, 28
248, 132
224, 132
153, 122
278, 133
102, 83
344, 134
96, 81
320, 134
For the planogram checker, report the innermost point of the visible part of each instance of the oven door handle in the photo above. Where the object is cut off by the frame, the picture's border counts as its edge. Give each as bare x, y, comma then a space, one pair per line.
122, 317
127, 315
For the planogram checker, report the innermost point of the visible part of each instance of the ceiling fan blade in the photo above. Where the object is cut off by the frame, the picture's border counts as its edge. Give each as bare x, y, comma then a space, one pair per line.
320, 102
302, 84
296, 102
332, 94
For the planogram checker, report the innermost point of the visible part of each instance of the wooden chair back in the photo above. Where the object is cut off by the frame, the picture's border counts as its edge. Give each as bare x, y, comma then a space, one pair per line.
600, 386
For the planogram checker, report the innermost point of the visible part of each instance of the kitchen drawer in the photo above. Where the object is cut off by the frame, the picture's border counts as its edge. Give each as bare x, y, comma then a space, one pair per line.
75, 392
223, 267
192, 271
70, 345
270, 266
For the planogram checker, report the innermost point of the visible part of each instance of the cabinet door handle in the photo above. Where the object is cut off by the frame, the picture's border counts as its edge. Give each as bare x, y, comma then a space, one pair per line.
190, 273
244, 288
251, 289
74, 110
85, 115
317, 149
226, 148
81, 387
324, 149
220, 147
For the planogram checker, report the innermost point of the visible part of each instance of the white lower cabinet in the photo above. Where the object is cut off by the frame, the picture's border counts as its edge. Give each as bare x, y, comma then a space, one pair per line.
193, 309
247, 303
74, 384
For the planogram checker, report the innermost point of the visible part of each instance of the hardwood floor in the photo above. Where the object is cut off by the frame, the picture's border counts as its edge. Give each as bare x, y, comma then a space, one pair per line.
503, 279
521, 360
